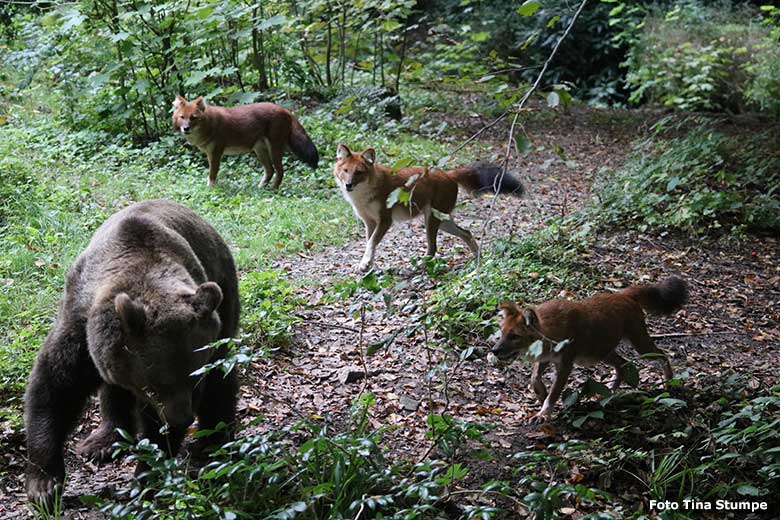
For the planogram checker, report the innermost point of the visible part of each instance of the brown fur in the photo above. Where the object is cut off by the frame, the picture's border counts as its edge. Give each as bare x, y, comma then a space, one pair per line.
367, 185
154, 285
593, 328
265, 129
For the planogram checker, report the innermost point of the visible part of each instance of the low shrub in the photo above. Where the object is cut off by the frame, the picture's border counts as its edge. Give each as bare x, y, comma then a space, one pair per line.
533, 268
695, 56
700, 182
301, 471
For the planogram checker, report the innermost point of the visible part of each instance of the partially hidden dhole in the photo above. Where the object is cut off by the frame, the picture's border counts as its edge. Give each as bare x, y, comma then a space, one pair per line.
431, 193
154, 286
265, 129
586, 332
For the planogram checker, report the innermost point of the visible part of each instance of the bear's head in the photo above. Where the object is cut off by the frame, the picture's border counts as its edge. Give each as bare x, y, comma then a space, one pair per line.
160, 343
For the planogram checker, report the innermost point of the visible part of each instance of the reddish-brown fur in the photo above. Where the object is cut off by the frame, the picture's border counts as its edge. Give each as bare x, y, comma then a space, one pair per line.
593, 328
433, 193
265, 129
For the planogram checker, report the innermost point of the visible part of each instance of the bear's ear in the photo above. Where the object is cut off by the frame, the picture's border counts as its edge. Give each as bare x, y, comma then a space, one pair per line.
207, 298
369, 154
509, 309
342, 152
131, 314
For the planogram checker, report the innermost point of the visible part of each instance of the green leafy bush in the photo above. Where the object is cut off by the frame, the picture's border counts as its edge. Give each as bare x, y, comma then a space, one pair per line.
269, 303
694, 56
301, 471
540, 265
701, 182
764, 91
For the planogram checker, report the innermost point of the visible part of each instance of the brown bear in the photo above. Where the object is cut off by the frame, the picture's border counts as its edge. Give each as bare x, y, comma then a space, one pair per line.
155, 284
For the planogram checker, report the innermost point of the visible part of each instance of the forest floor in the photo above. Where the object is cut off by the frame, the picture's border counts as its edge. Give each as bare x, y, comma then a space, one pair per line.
730, 325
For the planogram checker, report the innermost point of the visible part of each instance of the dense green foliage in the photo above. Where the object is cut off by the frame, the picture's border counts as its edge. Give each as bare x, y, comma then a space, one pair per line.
689, 175
118, 66
694, 55
529, 268
269, 475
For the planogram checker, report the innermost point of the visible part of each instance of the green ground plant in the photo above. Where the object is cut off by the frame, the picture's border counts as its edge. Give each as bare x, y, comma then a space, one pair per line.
690, 176
302, 471
526, 269
694, 55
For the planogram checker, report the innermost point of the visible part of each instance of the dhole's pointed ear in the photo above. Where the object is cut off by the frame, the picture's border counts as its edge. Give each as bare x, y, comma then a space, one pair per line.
179, 101
509, 309
200, 103
342, 152
207, 298
369, 154
131, 313
530, 317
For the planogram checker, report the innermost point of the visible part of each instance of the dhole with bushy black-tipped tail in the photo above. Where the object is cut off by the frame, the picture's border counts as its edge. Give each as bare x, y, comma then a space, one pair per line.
263, 128
432, 193
586, 332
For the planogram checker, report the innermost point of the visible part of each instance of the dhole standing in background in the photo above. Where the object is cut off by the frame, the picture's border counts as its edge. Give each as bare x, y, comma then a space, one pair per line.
367, 185
593, 328
263, 128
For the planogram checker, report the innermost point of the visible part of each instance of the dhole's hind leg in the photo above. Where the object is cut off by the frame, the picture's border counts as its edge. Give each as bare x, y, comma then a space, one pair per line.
276, 157
617, 362
431, 230
265, 159
644, 344
536, 381
449, 226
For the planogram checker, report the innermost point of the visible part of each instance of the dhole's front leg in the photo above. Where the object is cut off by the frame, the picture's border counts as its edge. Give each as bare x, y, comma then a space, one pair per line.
563, 369
536, 381
373, 241
370, 227
215, 157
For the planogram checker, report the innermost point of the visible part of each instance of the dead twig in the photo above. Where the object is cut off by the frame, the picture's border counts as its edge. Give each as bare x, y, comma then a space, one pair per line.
690, 334
517, 110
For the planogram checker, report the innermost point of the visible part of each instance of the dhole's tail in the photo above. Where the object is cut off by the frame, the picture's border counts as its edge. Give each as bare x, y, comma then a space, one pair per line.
481, 177
663, 298
302, 146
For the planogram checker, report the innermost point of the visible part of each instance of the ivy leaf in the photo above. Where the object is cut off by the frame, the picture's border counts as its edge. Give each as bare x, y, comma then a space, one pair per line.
279, 19
536, 349
398, 196
630, 374
745, 489
529, 7
522, 144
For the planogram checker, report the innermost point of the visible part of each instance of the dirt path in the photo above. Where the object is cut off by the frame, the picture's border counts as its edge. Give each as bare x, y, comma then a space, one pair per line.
735, 293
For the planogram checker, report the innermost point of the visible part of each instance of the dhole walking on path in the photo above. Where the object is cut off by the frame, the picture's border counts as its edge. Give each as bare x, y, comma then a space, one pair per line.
263, 128
586, 332
368, 185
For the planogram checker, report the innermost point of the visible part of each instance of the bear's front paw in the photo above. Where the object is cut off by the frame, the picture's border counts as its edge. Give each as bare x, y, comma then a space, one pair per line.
42, 493
98, 447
